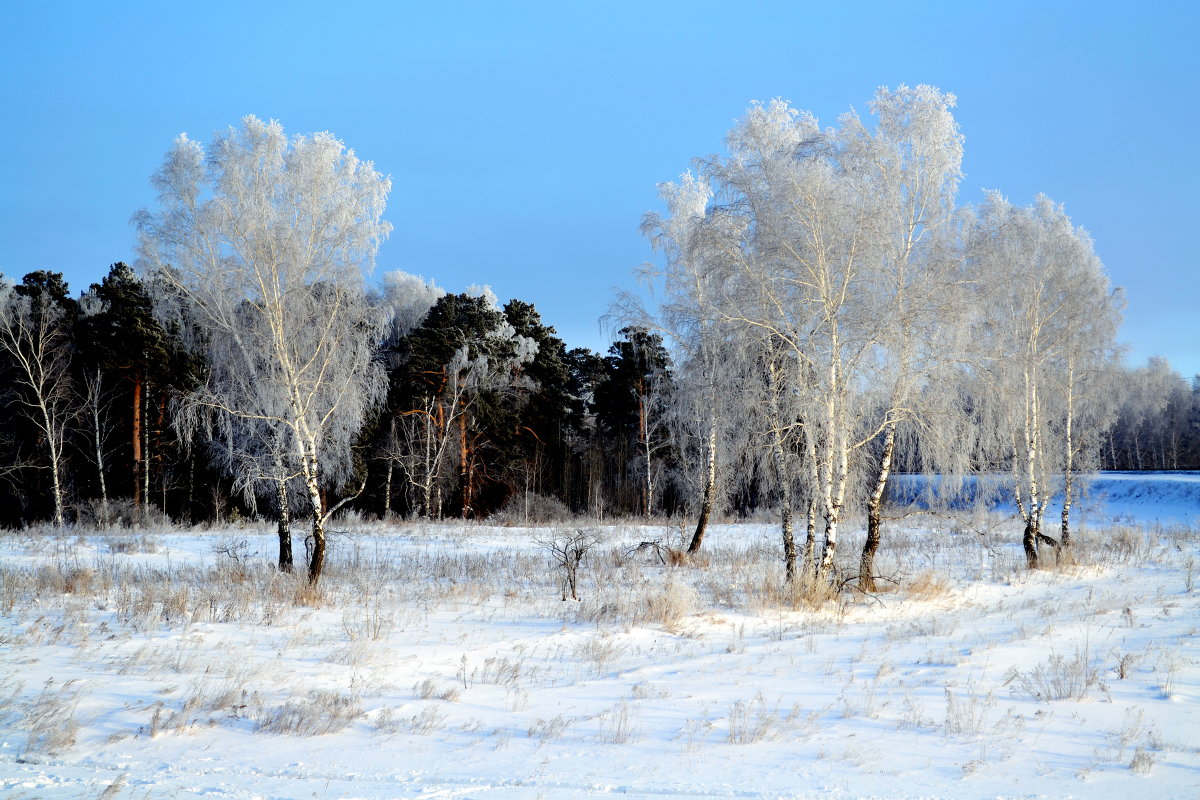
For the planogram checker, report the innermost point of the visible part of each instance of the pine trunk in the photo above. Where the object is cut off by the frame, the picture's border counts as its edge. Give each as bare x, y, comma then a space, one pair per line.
145, 446
137, 441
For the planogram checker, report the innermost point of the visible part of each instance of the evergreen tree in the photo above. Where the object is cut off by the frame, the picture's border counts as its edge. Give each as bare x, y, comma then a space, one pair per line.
630, 409
124, 340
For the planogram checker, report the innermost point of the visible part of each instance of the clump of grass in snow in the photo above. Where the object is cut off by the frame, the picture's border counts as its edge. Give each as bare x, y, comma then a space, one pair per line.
315, 714
1059, 677
50, 720
966, 713
1139, 735
553, 728
428, 690
617, 725
928, 585
754, 721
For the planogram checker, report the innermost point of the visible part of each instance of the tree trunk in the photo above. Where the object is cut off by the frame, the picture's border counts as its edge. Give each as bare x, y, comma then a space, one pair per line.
644, 441
159, 450
317, 560
1033, 527
308, 465
137, 441
787, 527
786, 523
54, 445
285, 520
710, 488
1069, 465
464, 466
98, 443
835, 497
1029, 542
866, 564
387, 483
810, 538
145, 446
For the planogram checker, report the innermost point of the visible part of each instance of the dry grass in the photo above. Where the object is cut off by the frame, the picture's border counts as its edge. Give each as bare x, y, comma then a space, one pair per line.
379, 591
1059, 677
49, 721
314, 714
928, 585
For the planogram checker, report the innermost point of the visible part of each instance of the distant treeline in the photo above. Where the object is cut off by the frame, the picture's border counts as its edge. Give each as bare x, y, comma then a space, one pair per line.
537, 429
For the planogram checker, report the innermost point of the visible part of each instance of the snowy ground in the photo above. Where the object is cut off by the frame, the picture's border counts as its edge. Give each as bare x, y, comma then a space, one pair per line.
440, 661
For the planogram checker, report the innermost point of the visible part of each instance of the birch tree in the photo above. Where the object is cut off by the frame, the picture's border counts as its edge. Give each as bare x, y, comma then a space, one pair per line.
35, 342
797, 278
405, 299
690, 315
912, 159
264, 240
1044, 304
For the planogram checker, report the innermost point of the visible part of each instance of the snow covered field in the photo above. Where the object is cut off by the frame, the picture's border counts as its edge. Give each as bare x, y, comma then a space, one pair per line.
439, 661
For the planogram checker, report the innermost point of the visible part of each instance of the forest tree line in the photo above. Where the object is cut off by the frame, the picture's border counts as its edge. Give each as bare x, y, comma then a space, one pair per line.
826, 314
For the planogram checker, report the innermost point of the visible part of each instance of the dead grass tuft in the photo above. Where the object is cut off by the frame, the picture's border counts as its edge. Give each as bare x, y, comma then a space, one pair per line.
928, 585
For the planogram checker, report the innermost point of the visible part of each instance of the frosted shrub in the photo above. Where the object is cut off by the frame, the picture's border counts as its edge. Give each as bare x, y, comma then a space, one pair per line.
530, 508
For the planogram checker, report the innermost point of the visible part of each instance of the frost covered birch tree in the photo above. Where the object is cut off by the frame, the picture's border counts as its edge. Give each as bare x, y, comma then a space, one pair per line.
912, 159
1046, 316
796, 279
263, 241
690, 315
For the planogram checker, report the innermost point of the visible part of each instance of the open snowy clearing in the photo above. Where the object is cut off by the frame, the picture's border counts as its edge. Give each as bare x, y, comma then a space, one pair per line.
440, 661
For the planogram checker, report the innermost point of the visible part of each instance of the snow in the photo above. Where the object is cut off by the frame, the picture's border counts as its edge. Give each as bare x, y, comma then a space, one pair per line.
445, 665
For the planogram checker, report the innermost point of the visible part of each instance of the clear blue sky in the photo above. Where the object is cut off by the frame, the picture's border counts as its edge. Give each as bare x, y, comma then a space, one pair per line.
525, 140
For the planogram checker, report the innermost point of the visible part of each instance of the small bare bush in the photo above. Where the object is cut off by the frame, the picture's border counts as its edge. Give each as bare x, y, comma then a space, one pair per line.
1125, 663
1142, 761
496, 670
137, 542
567, 551
530, 508
1137, 734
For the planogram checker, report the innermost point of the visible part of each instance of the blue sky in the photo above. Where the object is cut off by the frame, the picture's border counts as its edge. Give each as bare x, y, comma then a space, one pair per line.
525, 140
